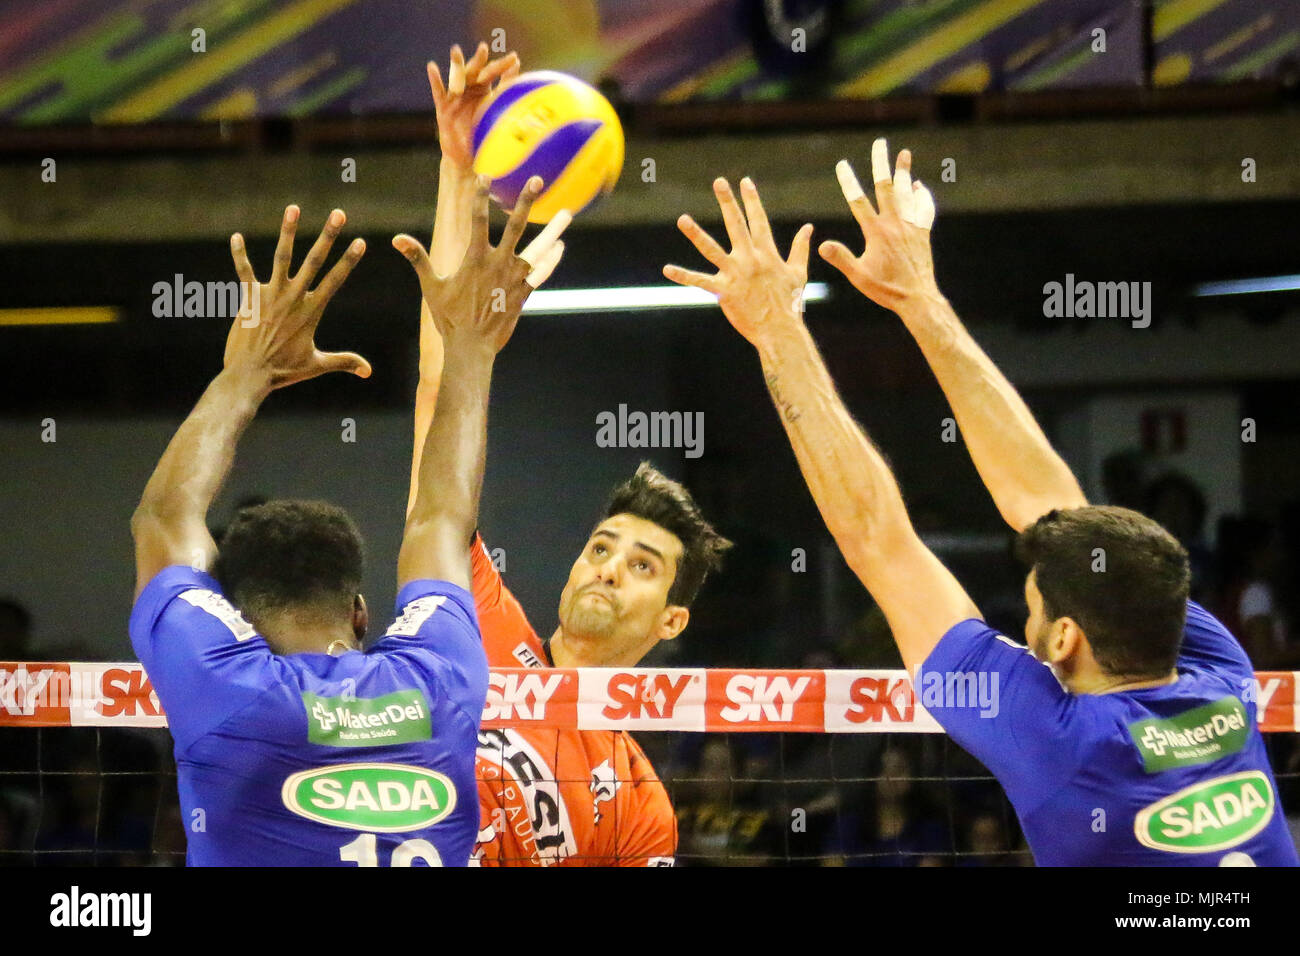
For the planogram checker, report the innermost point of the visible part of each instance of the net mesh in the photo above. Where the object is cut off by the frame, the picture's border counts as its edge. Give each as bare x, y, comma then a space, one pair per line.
855, 800
88, 796
106, 796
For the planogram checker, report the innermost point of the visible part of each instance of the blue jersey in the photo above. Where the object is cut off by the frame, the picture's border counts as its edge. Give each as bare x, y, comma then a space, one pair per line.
366, 759
1174, 775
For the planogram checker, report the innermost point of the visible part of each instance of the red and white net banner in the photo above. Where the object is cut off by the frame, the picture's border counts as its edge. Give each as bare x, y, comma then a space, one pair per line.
596, 698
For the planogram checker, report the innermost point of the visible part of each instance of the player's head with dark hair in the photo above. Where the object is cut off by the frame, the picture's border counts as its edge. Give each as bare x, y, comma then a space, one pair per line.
642, 567
654, 497
1109, 582
291, 565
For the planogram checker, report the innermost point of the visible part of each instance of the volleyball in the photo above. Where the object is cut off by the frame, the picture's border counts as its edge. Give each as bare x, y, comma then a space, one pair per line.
552, 125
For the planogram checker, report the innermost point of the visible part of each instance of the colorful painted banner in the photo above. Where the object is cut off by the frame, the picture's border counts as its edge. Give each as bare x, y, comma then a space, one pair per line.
682, 699
108, 61
1224, 41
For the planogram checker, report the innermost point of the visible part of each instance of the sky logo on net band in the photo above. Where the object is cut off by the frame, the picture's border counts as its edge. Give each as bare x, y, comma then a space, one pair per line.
520, 696
636, 696
760, 697
77, 909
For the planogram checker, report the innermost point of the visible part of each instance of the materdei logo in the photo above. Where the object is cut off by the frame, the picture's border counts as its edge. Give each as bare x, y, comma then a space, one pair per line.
790, 701
526, 695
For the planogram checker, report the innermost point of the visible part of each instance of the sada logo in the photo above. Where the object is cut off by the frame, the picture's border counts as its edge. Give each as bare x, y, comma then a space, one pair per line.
378, 797
1210, 816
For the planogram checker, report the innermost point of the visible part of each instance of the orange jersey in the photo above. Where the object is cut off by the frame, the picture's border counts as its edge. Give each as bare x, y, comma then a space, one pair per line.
567, 797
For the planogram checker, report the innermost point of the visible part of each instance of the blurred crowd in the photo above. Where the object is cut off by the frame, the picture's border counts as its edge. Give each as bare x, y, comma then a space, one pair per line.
839, 800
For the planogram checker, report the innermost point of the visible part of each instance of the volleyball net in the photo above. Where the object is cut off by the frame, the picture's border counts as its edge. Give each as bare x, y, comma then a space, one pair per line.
763, 767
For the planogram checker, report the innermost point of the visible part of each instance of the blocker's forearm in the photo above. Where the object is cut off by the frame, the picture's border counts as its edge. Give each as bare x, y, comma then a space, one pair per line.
192, 469
445, 511
849, 479
1016, 462
170, 523
450, 240
860, 501
426, 400
451, 219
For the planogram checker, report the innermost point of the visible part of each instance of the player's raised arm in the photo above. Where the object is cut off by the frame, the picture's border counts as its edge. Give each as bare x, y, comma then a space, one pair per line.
761, 295
1018, 465
270, 346
457, 103
474, 311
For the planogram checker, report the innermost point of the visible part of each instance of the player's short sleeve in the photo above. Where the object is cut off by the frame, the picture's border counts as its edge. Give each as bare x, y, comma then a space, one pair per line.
204, 659
1006, 708
501, 617
437, 618
1209, 645
485, 579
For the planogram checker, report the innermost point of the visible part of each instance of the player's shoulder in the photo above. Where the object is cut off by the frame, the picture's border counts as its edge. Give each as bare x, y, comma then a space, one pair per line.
517, 648
509, 639
419, 601
435, 616
457, 673
197, 590
975, 649
1200, 616
1201, 625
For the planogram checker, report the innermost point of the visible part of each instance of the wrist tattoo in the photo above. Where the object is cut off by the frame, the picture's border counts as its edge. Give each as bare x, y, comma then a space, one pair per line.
786, 408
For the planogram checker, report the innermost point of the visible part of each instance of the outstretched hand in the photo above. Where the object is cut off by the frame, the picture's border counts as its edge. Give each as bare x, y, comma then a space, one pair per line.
480, 302
757, 289
274, 333
897, 264
468, 87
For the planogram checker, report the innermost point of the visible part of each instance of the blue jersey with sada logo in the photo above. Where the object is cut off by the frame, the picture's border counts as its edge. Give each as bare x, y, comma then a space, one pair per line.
311, 760
1173, 775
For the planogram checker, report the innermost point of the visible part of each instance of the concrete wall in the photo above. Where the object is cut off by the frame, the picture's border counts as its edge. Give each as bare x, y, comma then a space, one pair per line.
65, 506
